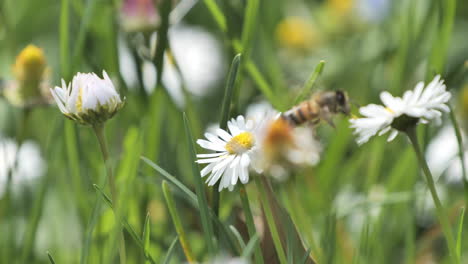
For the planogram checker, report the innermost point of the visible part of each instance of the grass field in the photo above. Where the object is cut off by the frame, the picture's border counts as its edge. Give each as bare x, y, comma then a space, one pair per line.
110, 170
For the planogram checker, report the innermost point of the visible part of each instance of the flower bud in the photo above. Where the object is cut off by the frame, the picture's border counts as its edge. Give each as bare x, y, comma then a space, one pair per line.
30, 72
88, 99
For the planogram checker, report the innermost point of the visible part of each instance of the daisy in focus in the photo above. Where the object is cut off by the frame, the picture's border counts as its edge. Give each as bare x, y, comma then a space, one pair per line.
234, 149
398, 114
88, 99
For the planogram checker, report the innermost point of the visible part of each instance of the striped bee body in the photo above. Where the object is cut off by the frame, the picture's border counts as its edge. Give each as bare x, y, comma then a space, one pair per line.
302, 113
321, 106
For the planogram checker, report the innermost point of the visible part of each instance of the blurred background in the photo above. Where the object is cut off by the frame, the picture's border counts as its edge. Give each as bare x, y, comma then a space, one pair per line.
355, 204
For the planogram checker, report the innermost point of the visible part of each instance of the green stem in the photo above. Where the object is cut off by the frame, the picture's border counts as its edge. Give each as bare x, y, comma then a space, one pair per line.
461, 151
271, 220
441, 214
99, 131
250, 222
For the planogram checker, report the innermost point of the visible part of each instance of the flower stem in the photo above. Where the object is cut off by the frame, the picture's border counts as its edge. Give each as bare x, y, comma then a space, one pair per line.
250, 222
99, 131
430, 183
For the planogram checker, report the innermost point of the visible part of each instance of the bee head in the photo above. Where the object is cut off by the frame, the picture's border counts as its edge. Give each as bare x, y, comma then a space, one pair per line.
342, 102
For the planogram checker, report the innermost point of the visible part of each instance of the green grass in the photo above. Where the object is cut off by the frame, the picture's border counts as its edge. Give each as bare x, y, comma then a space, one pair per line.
167, 212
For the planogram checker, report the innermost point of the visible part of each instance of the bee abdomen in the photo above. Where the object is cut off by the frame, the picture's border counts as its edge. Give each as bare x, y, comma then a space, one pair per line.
300, 114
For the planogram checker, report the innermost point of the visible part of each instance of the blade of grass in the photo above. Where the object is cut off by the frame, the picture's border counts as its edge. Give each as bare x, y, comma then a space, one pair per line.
193, 200
64, 40
461, 150
226, 107
309, 84
177, 222
191, 196
80, 41
217, 14
202, 201
250, 222
225, 112
51, 259
126, 225
250, 247
169, 252
164, 9
238, 236
306, 256
459, 235
441, 42
146, 235
271, 222
248, 29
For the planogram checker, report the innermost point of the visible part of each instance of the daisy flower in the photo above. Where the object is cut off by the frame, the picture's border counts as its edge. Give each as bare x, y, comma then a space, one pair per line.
279, 145
398, 114
232, 158
88, 99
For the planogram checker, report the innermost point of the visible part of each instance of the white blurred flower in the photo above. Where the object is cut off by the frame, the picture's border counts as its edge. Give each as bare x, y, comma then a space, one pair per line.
373, 10
447, 161
280, 145
424, 204
232, 158
360, 208
88, 99
139, 15
196, 52
419, 105
199, 56
29, 165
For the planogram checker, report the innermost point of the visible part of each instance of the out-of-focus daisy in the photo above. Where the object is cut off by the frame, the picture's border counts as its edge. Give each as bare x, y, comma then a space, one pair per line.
29, 162
31, 79
281, 146
232, 158
88, 99
447, 162
398, 114
139, 15
196, 52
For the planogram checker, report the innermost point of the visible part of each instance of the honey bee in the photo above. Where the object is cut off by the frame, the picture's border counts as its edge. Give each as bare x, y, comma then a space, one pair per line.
321, 106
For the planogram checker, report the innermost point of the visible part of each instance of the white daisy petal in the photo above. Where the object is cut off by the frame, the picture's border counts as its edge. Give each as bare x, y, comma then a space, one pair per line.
423, 103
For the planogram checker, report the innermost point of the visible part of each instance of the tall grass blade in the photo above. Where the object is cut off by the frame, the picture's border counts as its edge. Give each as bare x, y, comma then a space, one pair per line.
238, 236
202, 201
459, 234
126, 225
250, 247
168, 256
147, 235
309, 84
217, 14
51, 259
177, 223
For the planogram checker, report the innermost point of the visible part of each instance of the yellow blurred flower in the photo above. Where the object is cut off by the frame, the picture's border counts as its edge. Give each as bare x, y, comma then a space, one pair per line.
30, 64
30, 72
340, 7
296, 33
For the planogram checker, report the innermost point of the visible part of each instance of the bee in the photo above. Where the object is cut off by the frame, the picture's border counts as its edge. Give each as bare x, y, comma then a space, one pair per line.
321, 106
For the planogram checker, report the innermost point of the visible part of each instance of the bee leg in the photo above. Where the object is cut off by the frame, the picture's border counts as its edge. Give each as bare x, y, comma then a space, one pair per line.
327, 116
330, 122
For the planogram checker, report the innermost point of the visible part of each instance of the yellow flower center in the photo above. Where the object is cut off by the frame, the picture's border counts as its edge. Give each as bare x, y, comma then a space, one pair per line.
389, 110
79, 100
240, 143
